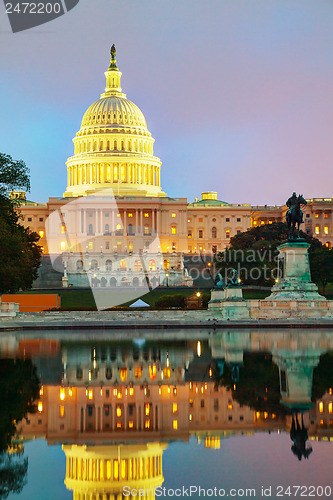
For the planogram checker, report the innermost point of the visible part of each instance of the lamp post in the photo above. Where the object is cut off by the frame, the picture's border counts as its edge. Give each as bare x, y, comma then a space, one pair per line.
167, 279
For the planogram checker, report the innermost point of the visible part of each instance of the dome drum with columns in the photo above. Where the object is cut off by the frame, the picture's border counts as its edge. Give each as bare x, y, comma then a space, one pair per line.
113, 148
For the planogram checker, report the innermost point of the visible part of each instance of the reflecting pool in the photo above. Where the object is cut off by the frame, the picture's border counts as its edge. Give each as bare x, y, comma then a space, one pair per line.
200, 413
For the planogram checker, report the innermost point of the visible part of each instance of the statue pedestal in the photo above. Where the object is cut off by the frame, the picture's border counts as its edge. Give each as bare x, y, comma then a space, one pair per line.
295, 284
294, 295
230, 303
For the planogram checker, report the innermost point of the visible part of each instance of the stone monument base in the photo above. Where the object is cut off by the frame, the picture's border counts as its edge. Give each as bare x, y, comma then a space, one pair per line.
230, 303
294, 295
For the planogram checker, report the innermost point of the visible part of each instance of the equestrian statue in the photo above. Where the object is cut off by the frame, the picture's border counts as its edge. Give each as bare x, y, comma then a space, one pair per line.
294, 216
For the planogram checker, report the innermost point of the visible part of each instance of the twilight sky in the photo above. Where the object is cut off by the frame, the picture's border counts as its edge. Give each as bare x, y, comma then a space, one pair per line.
238, 94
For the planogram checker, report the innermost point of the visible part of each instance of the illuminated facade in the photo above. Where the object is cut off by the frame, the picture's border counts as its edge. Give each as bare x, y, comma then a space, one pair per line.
114, 149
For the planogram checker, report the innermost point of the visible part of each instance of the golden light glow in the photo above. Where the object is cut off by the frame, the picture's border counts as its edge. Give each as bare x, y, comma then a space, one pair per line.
115, 469
321, 407
199, 348
173, 214
41, 391
90, 394
108, 469
90, 245
147, 423
130, 424
173, 230
152, 372
131, 391
41, 234
63, 245
330, 408
326, 230
118, 411
174, 408
62, 394
146, 214
175, 425
265, 415
317, 230
123, 374
137, 371
147, 408
62, 411
40, 406
118, 425
229, 406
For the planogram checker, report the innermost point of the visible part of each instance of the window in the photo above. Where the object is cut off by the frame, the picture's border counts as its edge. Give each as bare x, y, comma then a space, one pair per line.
137, 265
325, 230
239, 231
200, 219
307, 216
146, 214
173, 214
41, 219
107, 245
214, 232
317, 216
200, 233
107, 228
174, 408
29, 219
214, 248
146, 230
130, 229
123, 374
107, 214
321, 407
238, 219
90, 229
61, 411
41, 234
152, 265
202, 403
175, 425
90, 245
173, 230
227, 219
123, 265
317, 230
189, 234
108, 265
227, 234
189, 220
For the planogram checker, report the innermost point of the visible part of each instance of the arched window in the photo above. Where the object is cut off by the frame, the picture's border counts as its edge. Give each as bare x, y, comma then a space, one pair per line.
93, 264
118, 229
166, 264
146, 230
173, 229
115, 145
130, 229
123, 265
152, 265
108, 265
90, 229
137, 265
107, 228
214, 232
79, 265
108, 373
123, 374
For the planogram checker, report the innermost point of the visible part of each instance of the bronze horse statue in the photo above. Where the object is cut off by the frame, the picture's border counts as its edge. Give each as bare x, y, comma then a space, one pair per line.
294, 215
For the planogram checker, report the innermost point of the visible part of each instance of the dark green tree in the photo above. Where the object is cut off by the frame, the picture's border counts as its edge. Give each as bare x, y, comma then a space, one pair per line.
254, 253
321, 264
13, 474
19, 388
20, 256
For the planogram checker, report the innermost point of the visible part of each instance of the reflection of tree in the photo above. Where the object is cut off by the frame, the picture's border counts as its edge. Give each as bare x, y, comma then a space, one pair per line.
258, 386
323, 376
13, 473
19, 388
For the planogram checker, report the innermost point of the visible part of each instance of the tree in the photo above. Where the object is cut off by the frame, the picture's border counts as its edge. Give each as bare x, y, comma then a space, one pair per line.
20, 256
13, 174
19, 388
321, 264
254, 253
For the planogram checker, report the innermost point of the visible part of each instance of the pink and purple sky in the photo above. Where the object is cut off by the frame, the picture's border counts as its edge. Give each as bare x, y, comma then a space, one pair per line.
237, 93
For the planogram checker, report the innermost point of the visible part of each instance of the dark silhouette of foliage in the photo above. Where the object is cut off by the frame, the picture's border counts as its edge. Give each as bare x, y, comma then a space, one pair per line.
13, 474
20, 257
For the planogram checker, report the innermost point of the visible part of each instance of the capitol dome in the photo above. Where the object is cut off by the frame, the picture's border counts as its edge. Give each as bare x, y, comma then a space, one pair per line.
113, 148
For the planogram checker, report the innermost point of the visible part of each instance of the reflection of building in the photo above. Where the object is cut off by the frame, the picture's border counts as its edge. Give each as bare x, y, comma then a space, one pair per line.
114, 149
98, 472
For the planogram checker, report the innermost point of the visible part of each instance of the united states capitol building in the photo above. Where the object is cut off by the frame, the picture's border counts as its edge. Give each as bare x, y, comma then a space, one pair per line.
114, 219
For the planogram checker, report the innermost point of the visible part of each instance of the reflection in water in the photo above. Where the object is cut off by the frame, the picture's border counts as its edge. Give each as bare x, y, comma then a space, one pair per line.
299, 436
116, 404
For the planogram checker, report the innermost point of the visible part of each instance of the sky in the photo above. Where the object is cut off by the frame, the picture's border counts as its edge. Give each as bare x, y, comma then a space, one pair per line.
238, 94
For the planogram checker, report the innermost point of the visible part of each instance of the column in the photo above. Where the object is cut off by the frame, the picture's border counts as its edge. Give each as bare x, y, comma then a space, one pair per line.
84, 418
141, 221
136, 221
84, 220
125, 222
97, 417
112, 221
101, 220
68, 177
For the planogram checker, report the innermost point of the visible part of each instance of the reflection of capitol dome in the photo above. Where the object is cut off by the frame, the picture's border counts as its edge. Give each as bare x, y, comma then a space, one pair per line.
98, 472
113, 148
